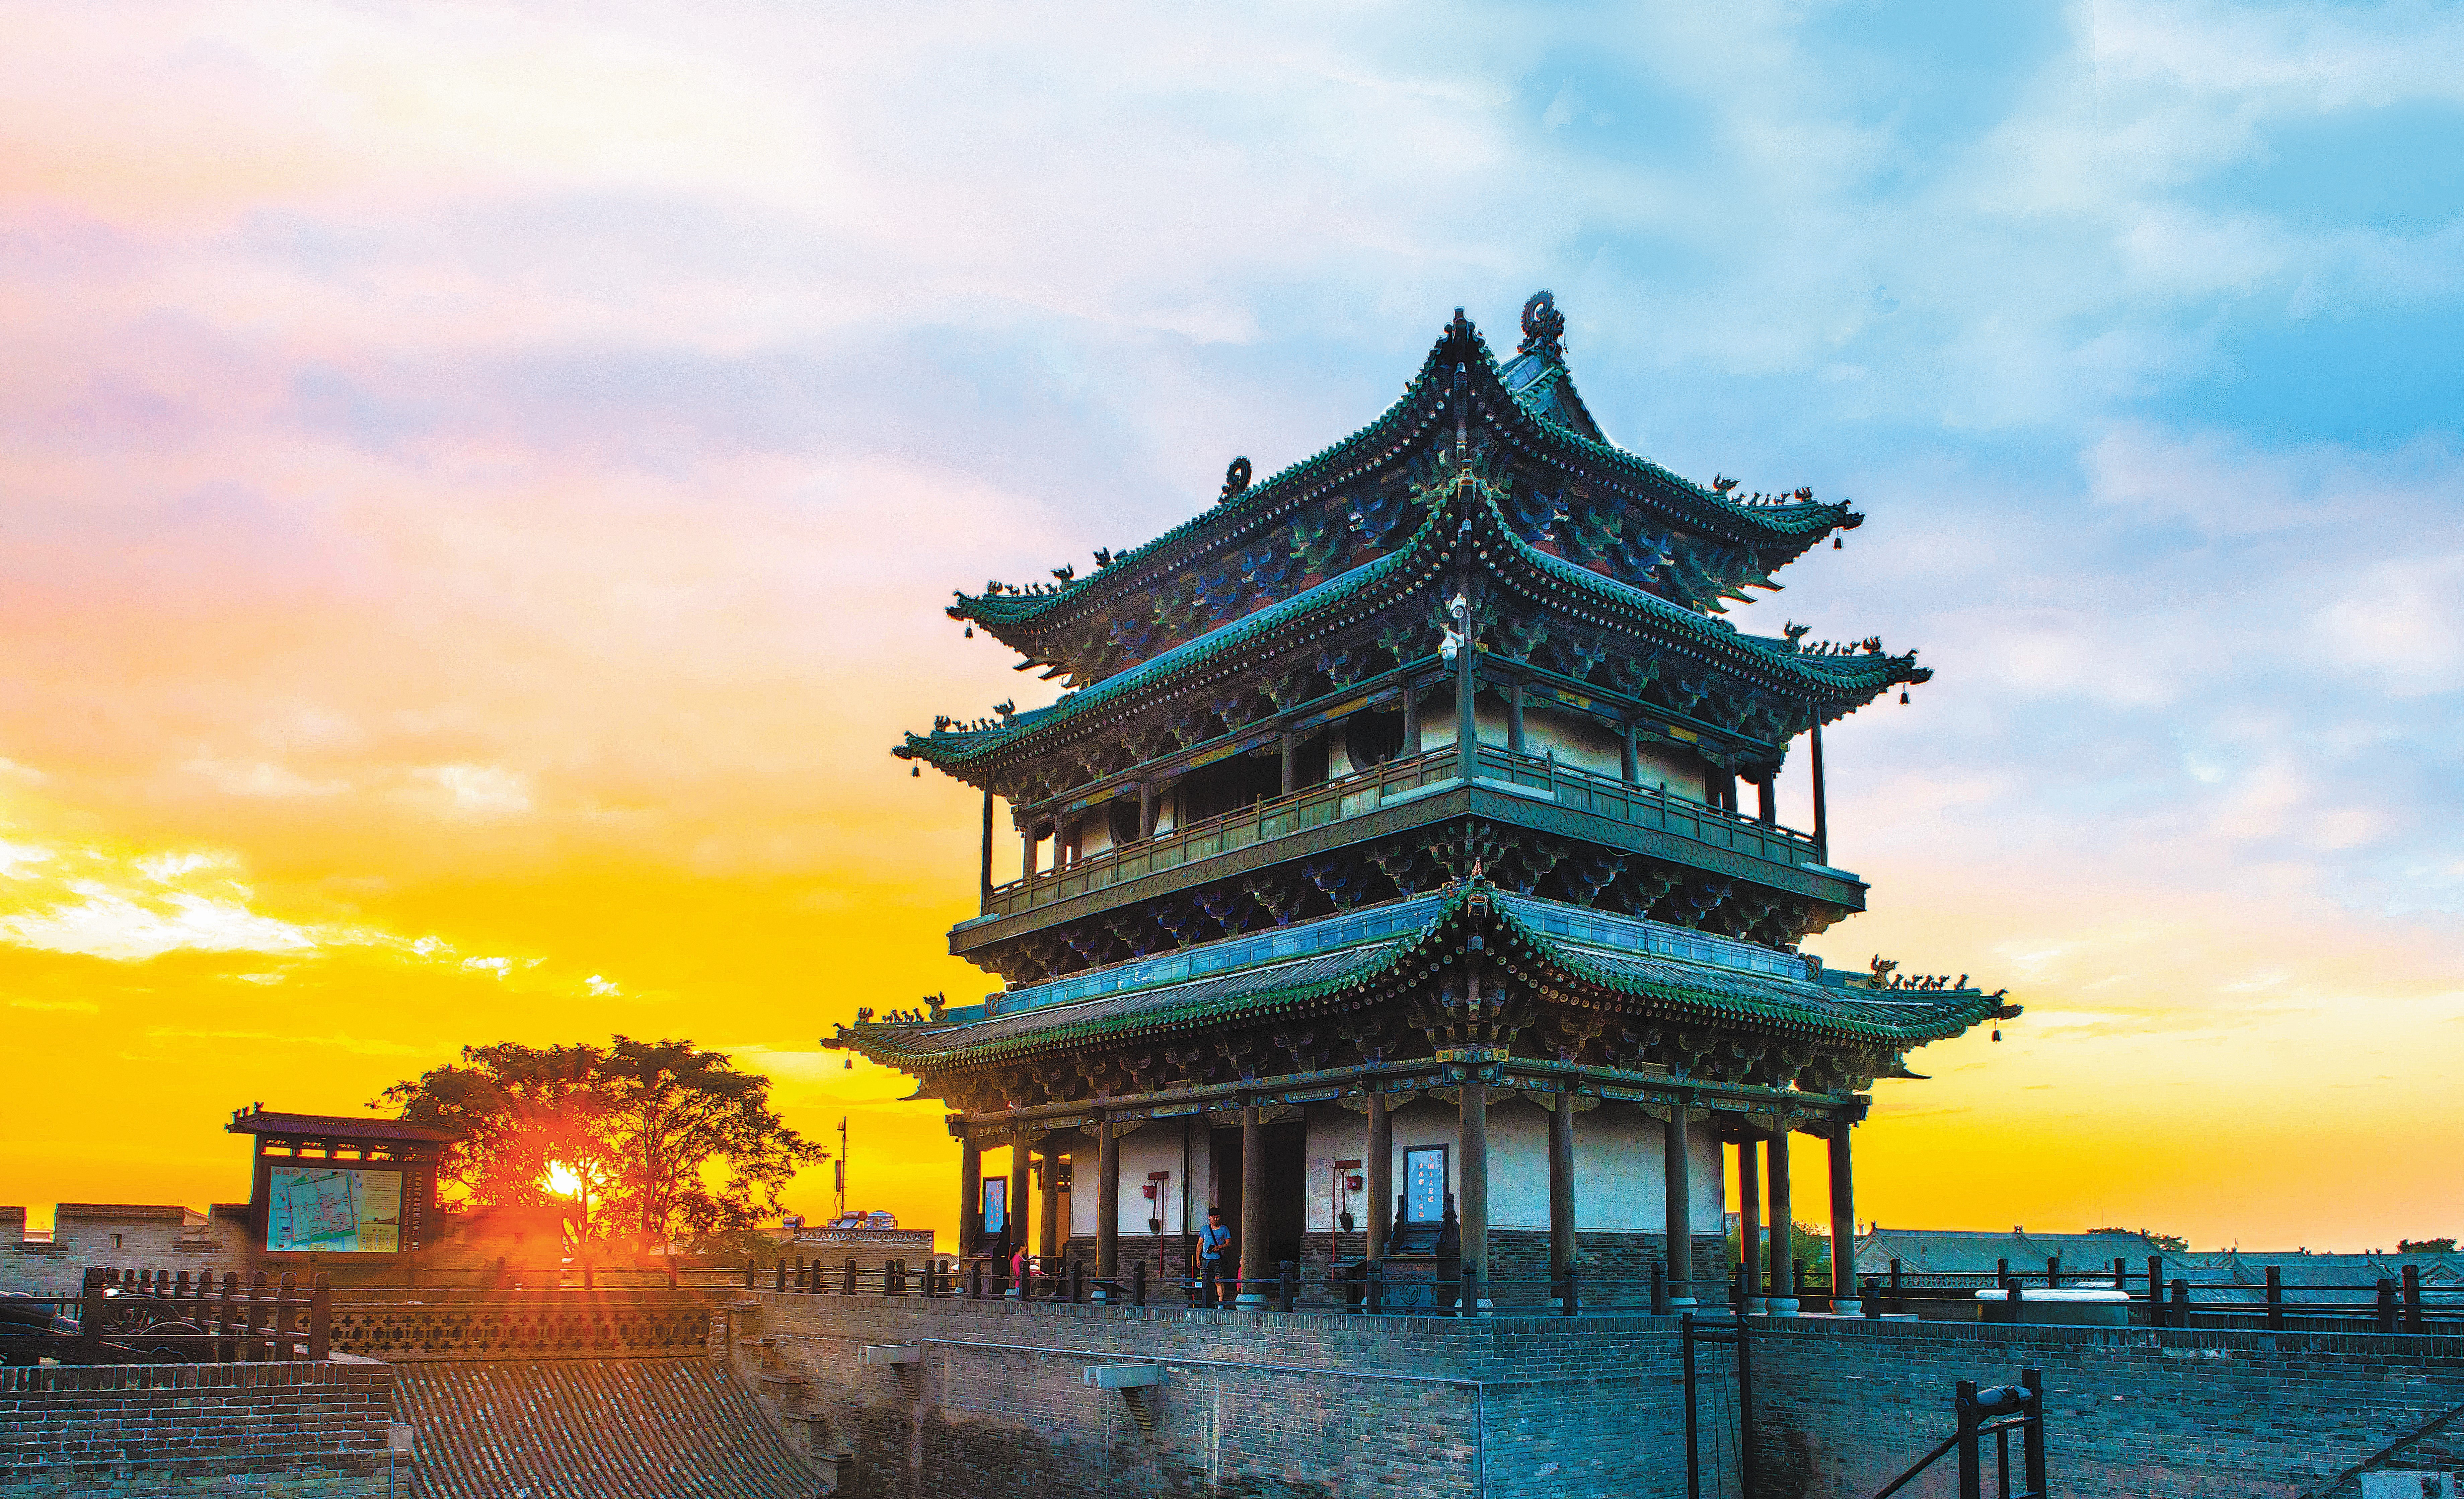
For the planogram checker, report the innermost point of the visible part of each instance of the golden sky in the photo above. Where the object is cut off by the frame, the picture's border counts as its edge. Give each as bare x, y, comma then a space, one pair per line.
479, 488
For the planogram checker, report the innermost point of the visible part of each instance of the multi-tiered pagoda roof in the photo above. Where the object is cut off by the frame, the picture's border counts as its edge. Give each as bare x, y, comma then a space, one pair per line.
1413, 771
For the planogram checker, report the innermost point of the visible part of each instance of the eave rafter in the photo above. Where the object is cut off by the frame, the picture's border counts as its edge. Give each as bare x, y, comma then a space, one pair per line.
1692, 1020
1464, 523
1765, 535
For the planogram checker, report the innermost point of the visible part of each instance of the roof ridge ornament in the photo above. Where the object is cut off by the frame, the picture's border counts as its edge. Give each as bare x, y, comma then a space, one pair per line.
1236, 480
1544, 327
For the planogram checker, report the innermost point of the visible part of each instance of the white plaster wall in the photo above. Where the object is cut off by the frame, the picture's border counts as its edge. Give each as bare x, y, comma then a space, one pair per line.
1619, 1161
1095, 830
1673, 770
1578, 740
1518, 1165
1336, 1134
1437, 719
1156, 1147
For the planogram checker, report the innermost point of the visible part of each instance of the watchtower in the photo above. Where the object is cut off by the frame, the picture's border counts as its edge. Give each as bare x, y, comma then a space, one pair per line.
1383, 860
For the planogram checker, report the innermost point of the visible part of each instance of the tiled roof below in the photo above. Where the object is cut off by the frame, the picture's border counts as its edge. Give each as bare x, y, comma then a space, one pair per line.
625, 1428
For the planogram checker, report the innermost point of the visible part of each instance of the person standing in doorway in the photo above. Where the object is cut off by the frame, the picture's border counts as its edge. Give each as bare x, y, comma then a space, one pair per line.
1214, 1260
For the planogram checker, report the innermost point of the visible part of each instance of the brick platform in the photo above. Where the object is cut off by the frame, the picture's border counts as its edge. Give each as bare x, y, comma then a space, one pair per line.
275, 1429
995, 1401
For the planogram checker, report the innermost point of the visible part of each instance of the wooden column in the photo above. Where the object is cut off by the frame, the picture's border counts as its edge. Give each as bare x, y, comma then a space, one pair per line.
1471, 1191
1107, 1198
1821, 824
1047, 1230
1253, 1202
1466, 686
1679, 1195
1561, 1185
1411, 718
1382, 1171
971, 1192
1749, 1219
1021, 1183
987, 881
1630, 757
1783, 1230
1514, 717
1844, 1300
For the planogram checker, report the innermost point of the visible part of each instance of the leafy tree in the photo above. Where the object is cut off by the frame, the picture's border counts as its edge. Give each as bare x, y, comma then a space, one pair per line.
699, 1145
522, 1110
653, 1137
1809, 1246
2171, 1243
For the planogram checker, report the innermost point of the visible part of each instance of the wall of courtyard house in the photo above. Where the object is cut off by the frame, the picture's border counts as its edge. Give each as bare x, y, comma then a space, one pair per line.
155, 1236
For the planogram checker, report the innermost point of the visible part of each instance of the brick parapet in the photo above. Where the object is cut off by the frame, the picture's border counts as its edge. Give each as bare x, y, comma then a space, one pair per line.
295, 1428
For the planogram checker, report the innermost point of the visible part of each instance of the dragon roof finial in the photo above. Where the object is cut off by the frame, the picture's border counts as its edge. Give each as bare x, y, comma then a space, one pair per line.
1544, 327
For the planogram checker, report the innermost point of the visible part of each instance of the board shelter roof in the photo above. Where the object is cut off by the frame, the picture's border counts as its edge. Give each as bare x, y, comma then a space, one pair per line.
1465, 520
338, 1127
1570, 954
1531, 398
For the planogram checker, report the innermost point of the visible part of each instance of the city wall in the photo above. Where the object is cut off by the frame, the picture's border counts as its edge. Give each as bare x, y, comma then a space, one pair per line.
277, 1430
996, 1401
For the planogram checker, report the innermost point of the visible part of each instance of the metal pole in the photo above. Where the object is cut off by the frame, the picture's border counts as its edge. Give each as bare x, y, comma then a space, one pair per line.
1747, 1474
2032, 1381
1971, 1475
1693, 1454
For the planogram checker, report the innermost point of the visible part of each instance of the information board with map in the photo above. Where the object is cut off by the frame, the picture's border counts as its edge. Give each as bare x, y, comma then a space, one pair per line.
334, 1211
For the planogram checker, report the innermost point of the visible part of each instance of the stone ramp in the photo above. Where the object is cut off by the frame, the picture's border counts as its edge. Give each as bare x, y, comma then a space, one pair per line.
590, 1428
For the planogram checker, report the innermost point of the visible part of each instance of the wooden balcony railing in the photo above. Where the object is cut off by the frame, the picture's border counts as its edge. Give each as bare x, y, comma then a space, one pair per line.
1397, 780
1648, 807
